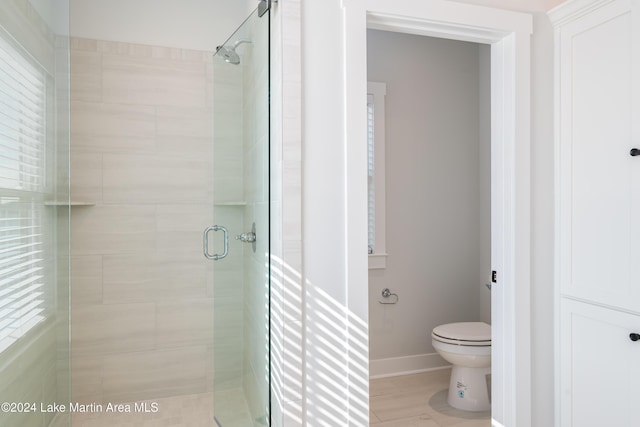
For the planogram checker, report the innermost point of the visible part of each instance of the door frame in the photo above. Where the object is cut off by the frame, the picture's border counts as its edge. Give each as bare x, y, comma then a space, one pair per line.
508, 33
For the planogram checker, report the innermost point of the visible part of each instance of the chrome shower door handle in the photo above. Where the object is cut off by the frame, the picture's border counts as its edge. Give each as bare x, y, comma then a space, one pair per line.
205, 239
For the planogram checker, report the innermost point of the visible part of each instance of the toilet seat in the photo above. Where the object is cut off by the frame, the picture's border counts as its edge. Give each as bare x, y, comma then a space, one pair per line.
471, 334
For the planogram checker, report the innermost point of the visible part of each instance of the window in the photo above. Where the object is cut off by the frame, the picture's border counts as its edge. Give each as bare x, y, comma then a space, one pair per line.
376, 174
25, 242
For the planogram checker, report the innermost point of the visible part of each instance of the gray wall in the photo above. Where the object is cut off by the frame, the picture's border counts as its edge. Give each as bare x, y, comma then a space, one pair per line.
437, 191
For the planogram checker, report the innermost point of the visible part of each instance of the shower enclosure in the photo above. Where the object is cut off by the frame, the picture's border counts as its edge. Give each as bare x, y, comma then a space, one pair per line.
238, 243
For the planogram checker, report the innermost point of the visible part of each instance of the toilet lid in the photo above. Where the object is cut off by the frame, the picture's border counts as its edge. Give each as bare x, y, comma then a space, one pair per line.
471, 332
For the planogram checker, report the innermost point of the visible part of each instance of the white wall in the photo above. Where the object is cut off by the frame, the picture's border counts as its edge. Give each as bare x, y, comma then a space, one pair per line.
188, 24
434, 191
335, 312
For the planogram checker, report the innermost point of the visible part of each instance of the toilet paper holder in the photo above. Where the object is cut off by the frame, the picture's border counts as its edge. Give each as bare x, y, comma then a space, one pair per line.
386, 293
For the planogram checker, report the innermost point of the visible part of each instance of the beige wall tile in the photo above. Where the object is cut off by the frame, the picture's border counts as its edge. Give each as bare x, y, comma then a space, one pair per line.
228, 80
80, 44
154, 277
112, 229
86, 287
183, 217
104, 329
227, 162
136, 376
87, 378
189, 243
184, 323
185, 121
86, 173
292, 201
143, 152
111, 127
209, 368
86, 75
180, 144
155, 178
292, 280
180, 233
124, 49
151, 81
148, 51
228, 356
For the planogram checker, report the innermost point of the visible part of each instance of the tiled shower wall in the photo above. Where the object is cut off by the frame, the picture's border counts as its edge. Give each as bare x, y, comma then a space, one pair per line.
142, 306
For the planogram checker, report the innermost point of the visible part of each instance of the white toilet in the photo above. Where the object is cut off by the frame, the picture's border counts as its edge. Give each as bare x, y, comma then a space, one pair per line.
467, 346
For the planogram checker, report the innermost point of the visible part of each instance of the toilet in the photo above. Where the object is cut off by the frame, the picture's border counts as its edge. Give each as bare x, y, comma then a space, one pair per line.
467, 346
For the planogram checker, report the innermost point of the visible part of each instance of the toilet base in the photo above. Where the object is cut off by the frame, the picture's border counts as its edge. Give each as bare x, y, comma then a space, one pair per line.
468, 389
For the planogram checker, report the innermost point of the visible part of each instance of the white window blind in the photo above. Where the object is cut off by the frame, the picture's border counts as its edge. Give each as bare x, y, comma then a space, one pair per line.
371, 205
22, 122
23, 293
376, 93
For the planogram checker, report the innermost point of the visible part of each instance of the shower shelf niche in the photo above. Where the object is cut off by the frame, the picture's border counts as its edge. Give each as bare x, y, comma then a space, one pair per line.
230, 204
68, 203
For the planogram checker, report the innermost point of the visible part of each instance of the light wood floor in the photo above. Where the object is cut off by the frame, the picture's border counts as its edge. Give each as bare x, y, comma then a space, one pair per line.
419, 400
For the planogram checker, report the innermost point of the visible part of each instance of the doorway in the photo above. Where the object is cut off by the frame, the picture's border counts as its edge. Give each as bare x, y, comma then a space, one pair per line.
436, 160
508, 35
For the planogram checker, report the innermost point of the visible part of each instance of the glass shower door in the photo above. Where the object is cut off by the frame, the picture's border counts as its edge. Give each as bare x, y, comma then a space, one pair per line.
238, 242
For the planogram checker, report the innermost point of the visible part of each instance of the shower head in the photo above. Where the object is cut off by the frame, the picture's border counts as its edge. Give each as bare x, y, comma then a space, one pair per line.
229, 54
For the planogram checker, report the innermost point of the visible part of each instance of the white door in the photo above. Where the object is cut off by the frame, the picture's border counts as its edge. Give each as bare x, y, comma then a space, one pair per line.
599, 206
599, 177
599, 382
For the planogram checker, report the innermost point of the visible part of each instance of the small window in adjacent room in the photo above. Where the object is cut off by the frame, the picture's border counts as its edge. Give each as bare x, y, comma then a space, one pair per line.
375, 174
25, 288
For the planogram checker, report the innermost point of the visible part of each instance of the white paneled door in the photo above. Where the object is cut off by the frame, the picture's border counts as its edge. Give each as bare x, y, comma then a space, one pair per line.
601, 366
600, 177
598, 210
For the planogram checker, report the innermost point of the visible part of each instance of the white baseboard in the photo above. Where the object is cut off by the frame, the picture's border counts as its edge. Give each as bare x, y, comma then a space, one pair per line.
394, 366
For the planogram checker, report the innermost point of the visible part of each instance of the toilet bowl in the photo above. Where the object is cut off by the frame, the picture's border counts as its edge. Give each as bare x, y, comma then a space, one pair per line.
467, 346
